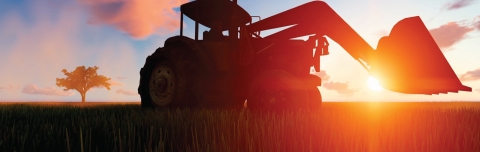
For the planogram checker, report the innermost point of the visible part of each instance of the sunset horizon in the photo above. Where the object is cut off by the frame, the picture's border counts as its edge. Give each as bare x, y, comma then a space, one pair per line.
40, 39
240, 75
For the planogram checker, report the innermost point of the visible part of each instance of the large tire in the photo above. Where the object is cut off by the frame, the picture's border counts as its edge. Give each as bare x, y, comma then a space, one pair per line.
277, 90
314, 97
167, 76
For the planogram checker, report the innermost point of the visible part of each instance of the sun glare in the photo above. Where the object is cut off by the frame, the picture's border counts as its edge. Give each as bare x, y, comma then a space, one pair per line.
373, 84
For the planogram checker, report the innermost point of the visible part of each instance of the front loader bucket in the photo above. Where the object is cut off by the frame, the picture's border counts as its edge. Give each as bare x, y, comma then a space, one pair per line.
409, 61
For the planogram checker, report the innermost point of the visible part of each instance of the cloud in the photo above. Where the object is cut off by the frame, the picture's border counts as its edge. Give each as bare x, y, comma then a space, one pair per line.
115, 83
457, 4
138, 18
127, 92
37, 48
121, 78
33, 89
40, 40
112, 83
10, 88
447, 35
471, 75
341, 88
476, 24
381, 33
322, 74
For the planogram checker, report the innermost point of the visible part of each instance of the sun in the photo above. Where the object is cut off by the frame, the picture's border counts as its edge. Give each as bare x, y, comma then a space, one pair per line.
373, 84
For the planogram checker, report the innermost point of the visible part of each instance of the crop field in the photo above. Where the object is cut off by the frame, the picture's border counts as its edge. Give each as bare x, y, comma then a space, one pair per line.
340, 126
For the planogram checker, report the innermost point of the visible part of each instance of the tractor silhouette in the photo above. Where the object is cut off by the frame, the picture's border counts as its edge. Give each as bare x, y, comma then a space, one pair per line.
273, 72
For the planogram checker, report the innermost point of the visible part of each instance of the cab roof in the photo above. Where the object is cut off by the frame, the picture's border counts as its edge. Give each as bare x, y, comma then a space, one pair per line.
207, 11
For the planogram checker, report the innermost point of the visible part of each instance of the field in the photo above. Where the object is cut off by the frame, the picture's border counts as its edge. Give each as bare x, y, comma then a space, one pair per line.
343, 127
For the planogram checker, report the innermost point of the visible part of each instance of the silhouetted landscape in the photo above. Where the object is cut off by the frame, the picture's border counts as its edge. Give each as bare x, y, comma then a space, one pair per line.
239, 75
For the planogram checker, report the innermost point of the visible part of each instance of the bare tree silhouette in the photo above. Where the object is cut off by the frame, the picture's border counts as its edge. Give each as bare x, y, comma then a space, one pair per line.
83, 79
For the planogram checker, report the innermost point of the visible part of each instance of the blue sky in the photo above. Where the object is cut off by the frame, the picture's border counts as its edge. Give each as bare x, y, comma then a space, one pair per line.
40, 38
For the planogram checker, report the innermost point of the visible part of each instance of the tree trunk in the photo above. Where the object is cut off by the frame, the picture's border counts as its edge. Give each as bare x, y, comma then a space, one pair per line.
83, 96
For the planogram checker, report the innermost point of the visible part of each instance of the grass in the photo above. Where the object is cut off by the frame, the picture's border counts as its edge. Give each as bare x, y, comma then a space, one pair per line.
342, 127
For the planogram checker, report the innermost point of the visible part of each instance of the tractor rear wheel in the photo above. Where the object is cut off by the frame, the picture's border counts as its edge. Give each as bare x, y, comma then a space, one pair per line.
314, 97
277, 90
166, 78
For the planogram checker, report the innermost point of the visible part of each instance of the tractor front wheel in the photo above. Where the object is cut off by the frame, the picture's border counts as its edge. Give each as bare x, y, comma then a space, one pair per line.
166, 78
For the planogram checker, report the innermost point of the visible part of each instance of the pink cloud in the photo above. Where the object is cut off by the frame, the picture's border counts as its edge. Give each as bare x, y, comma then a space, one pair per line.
456, 4
127, 92
449, 34
341, 88
33, 89
471, 75
112, 83
381, 33
115, 83
58, 44
477, 23
121, 78
53, 40
322, 74
11, 88
138, 18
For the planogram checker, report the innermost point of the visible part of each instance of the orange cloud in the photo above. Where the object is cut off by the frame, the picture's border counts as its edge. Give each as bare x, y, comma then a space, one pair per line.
33, 89
115, 83
341, 88
471, 75
449, 34
323, 75
127, 92
138, 18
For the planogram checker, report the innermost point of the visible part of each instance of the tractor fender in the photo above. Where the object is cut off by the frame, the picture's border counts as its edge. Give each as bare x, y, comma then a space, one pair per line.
194, 47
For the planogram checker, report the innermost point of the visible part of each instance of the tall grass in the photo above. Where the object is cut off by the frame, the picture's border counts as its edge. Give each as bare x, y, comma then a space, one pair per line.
127, 128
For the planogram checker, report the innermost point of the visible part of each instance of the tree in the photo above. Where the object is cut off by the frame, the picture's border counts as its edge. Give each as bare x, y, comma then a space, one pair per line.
83, 79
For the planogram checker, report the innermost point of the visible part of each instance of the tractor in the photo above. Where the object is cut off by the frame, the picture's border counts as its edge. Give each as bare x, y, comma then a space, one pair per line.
273, 72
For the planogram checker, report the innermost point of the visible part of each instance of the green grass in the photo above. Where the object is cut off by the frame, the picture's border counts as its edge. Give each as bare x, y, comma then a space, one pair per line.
333, 128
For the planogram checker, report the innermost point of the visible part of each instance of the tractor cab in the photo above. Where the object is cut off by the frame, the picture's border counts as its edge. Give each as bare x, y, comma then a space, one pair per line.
226, 51
210, 13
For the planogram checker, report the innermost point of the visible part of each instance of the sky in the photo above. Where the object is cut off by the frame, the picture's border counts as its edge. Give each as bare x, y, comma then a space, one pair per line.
39, 38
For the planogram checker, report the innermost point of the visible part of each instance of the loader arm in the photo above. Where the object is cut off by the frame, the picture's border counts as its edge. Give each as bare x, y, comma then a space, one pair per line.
318, 18
407, 61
